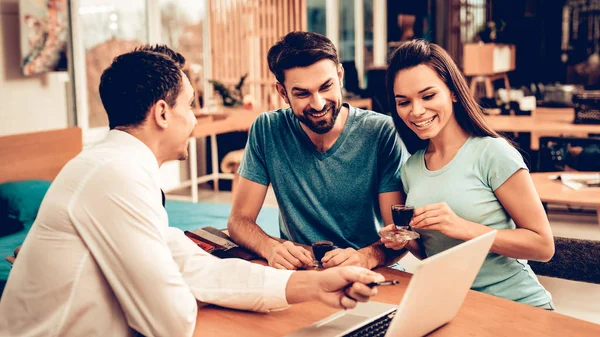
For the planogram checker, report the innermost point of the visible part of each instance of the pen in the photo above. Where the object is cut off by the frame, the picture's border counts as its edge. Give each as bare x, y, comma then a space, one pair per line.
383, 283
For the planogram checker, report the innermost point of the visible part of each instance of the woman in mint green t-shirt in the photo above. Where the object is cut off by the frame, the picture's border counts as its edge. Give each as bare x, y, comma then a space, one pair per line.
463, 178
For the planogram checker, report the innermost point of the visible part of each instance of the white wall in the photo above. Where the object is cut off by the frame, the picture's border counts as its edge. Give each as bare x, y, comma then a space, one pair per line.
26, 103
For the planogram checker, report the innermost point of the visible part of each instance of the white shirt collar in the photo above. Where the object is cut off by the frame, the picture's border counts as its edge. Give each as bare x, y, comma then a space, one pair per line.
125, 139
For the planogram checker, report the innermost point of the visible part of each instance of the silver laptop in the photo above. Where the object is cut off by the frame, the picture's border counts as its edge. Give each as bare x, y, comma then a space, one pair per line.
433, 297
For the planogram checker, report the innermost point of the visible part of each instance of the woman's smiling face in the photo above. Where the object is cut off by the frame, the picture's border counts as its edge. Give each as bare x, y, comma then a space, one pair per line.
423, 101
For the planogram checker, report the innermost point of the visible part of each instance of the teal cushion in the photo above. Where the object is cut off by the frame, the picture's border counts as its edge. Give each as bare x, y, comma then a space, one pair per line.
19, 204
190, 215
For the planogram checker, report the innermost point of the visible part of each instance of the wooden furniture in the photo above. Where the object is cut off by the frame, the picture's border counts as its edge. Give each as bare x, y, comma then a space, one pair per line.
480, 315
210, 125
223, 121
38, 155
543, 122
486, 62
241, 33
551, 190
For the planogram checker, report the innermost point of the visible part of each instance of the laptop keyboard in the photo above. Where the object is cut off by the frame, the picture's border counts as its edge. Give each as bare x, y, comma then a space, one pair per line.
374, 329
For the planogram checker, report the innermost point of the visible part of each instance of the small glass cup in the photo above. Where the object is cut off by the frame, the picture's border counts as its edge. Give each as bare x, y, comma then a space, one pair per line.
401, 231
402, 215
319, 249
401, 234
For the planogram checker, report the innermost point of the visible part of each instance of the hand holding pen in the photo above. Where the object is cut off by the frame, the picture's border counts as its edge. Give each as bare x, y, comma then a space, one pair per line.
383, 283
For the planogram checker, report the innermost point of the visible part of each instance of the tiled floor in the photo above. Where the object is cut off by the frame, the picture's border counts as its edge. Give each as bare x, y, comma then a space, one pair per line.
576, 299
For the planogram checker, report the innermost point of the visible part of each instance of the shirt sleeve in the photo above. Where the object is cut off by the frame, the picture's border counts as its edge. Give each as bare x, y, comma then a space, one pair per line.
404, 179
499, 161
120, 218
392, 155
231, 283
253, 166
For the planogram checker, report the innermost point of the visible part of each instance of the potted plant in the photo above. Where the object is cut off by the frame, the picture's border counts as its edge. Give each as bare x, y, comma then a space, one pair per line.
232, 97
489, 55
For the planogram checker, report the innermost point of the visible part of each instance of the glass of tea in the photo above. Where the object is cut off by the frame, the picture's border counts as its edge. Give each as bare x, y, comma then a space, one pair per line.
401, 215
319, 249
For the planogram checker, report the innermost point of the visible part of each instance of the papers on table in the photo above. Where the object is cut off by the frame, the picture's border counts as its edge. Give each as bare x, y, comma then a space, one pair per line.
578, 181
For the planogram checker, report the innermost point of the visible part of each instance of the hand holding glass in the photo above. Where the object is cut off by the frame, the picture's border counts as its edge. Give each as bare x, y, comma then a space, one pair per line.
319, 249
401, 215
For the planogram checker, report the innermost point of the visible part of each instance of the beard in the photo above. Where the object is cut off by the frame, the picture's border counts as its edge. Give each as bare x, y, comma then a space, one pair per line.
183, 156
184, 153
323, 125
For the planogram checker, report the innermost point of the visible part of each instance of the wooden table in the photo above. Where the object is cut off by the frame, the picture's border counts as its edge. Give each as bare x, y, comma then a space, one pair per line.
210, 125
553, 191
543, 122
480, 315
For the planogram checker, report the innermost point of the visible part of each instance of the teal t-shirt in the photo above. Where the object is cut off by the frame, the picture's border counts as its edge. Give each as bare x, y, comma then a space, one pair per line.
331, 195
467, 184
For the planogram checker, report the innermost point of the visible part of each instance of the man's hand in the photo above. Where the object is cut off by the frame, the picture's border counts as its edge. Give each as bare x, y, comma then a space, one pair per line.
286, 255
344, 257
340, 287
343, 287
11, 259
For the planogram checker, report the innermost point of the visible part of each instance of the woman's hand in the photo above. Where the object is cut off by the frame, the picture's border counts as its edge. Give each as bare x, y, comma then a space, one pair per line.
392, 244
441, 217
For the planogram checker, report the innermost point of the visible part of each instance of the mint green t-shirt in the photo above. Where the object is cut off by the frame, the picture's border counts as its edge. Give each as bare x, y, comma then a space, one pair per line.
467, 184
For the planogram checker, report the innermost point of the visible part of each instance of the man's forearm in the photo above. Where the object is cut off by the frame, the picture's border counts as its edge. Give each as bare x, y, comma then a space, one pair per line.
301, 287
377, 255
246, 233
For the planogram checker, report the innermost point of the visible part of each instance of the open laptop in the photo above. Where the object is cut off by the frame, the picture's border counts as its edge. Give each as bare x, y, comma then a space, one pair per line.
433, 297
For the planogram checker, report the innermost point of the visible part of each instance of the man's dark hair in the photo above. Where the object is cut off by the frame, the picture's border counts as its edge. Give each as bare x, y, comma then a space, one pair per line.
299, 49
135, 81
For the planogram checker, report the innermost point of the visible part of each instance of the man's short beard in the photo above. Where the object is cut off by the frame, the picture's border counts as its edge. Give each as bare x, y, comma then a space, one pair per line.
321, 128
183, 156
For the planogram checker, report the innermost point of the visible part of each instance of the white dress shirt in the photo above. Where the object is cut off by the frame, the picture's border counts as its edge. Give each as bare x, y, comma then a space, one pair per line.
101, 260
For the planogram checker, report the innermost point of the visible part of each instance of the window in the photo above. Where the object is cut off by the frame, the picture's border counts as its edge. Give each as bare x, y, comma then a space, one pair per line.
368, 23
315, 13
347, 31
181, 29
103, 29
106, 29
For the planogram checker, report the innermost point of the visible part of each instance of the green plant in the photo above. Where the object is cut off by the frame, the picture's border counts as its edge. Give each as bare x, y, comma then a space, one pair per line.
231, 96
492, 31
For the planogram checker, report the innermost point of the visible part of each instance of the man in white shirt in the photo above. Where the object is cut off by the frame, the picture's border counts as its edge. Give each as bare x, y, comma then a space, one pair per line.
100, 259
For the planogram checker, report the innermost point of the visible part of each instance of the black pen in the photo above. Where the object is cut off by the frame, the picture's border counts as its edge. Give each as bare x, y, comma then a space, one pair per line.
383, 283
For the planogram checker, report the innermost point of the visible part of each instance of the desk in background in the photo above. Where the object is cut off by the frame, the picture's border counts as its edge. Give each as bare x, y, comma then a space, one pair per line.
210, 125
480, 315
554, 191
543, 122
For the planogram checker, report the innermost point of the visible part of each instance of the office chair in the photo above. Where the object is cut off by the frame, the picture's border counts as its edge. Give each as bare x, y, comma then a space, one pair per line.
560, 153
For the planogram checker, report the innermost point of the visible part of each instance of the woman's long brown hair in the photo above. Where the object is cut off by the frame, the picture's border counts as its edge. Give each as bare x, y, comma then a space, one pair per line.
466, 110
